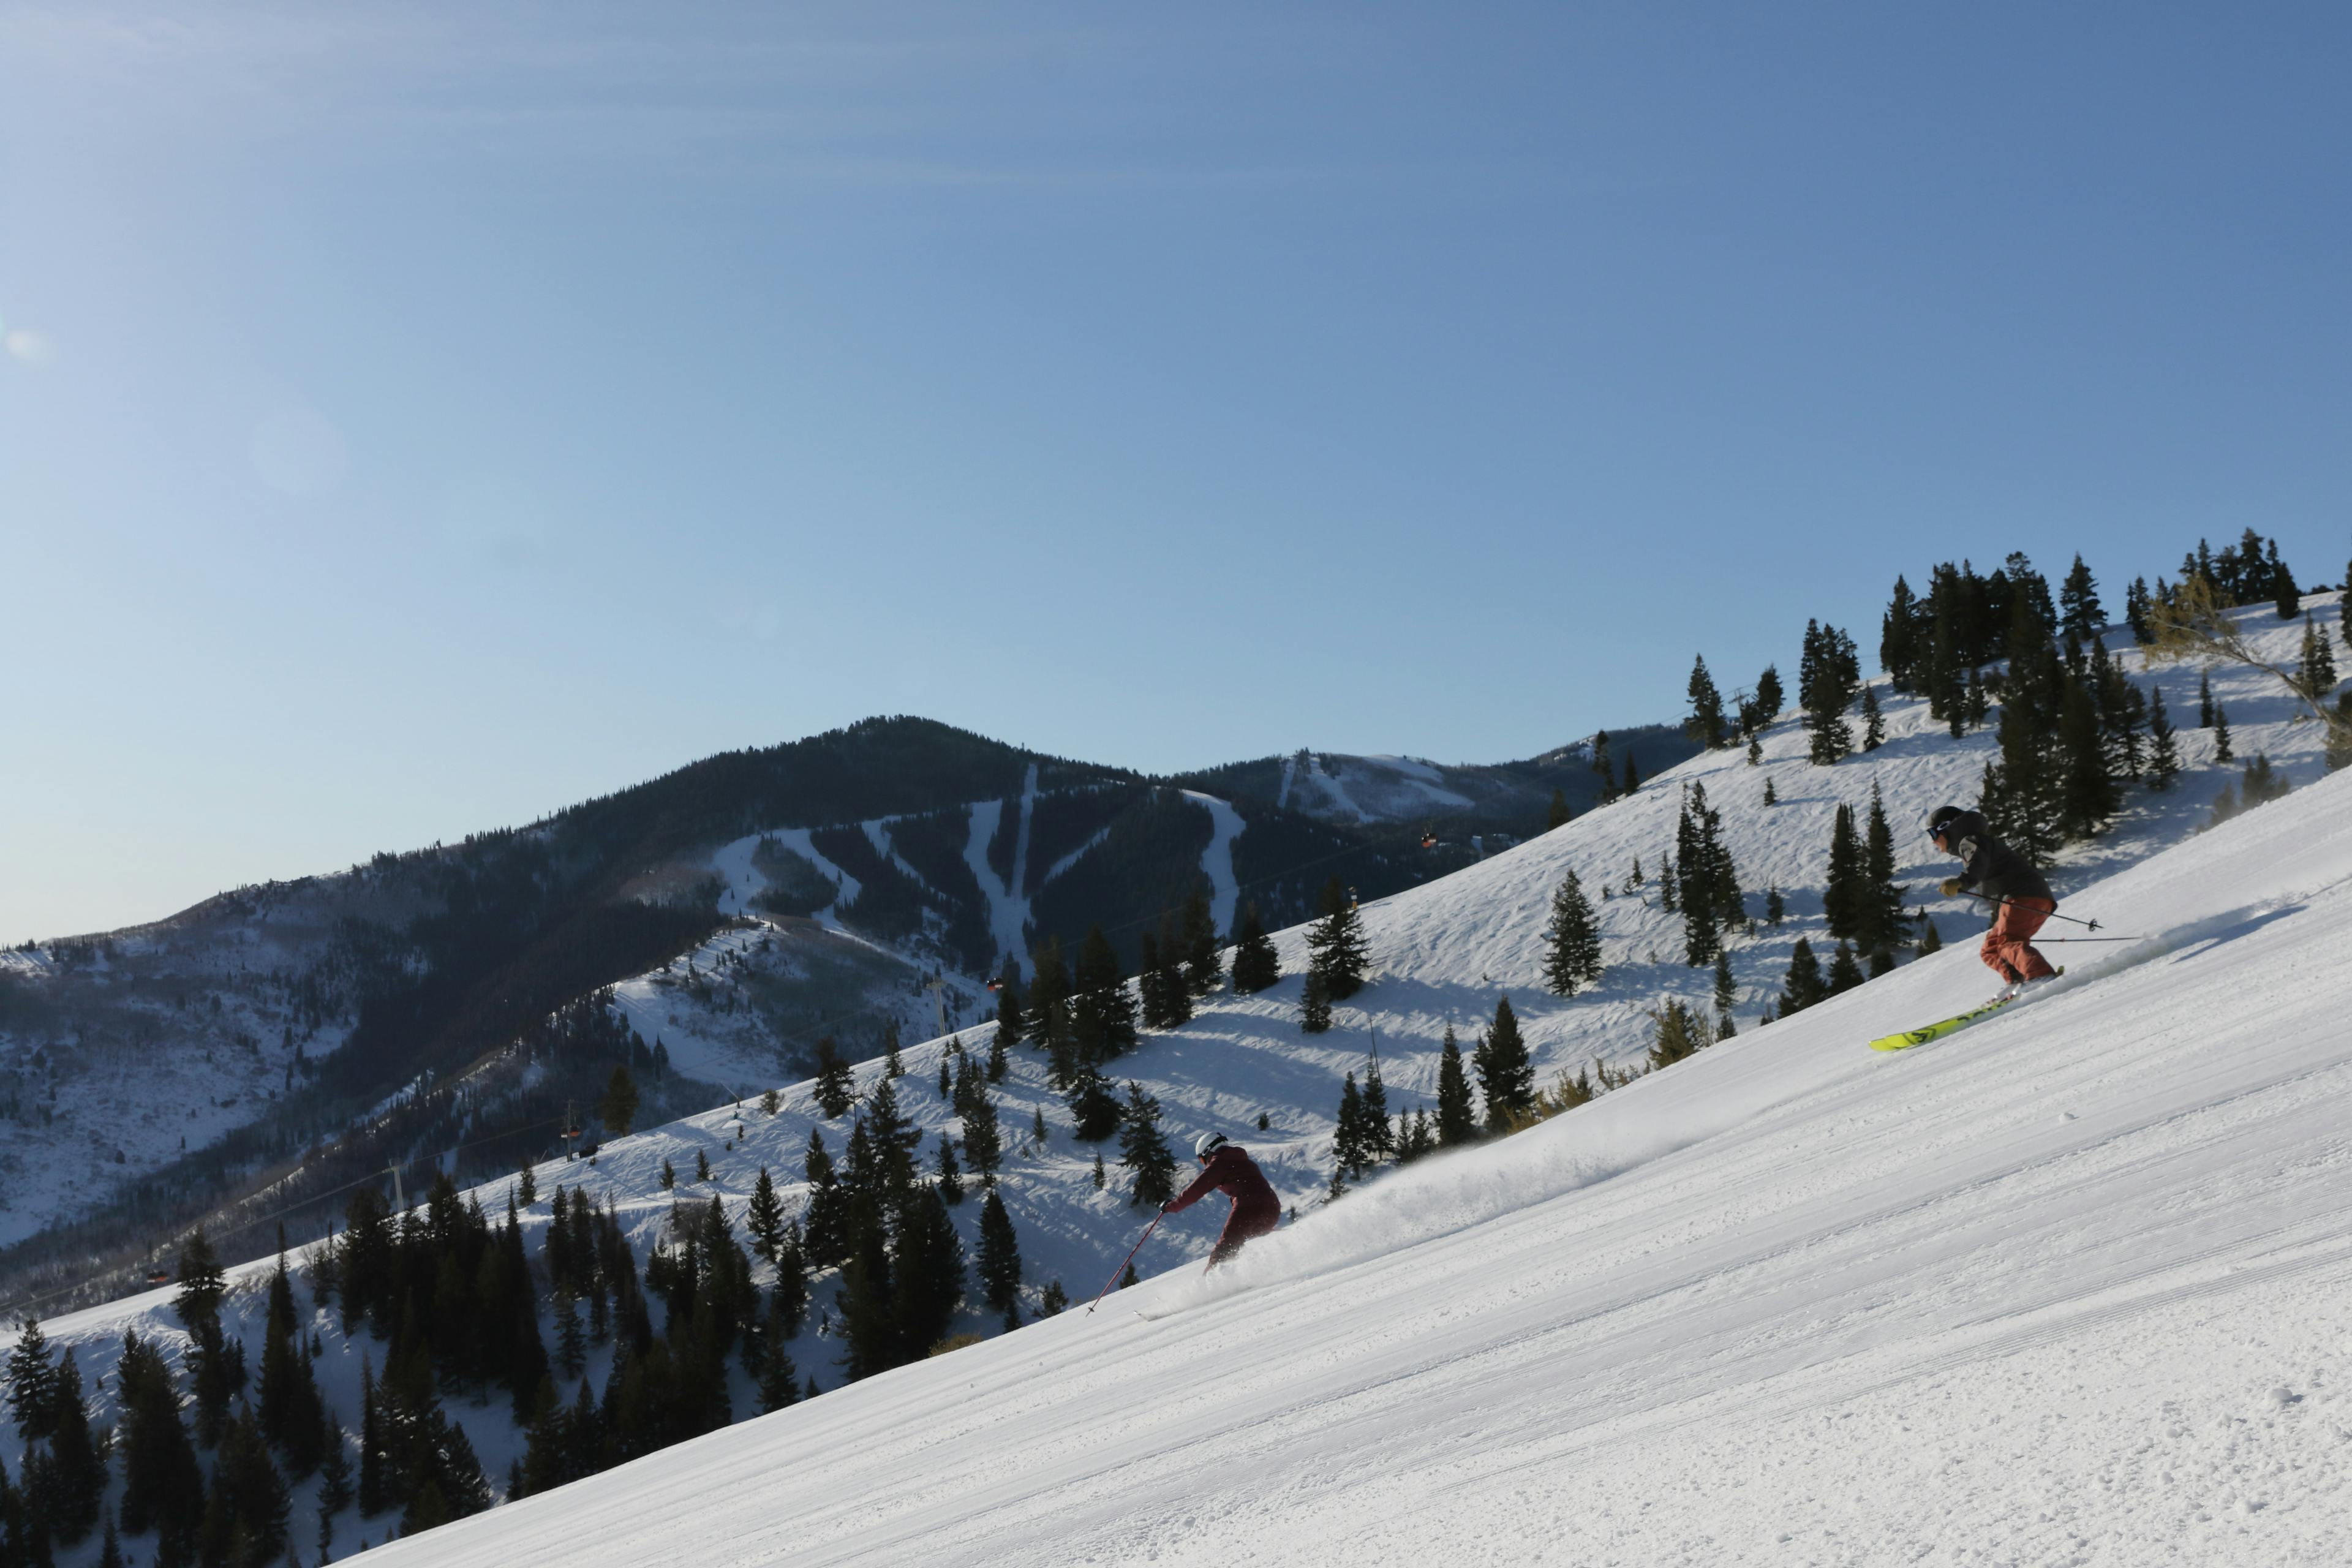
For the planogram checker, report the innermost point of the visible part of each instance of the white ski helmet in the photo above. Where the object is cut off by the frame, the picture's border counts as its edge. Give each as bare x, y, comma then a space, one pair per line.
1206, 1144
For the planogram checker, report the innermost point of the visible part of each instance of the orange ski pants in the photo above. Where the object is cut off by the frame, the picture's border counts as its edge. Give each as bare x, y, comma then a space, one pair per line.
2008, 949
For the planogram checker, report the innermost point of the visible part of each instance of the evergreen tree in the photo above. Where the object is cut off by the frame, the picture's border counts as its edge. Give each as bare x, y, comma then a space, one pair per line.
1099, 1174
1420, 1137
2204, 698
1776, 908
1845, 890
163, 1488
1049, 1010
1102, 1011
983, 1140
1379, 1139
1828, 680
32, 1381
1175, 985
2222, 752
1901, 652
892, 1066
244, 1517
950, 1182
202, 1282
997, 1064
1881, 902
1150, 985
701, 1165
2078, 598
1143, 1150
1632, 779
928, 1267
1094, 1109
1000, 1260
2137, 603
1727, 989
2316, 671
1930, 939
1705, 724
1315, 1005
763, 1217
1335, 944
1805, 985
1603, 766
1573, 955
1350, 1158
1507, 1076
73, 1476
2087, 796
1557, 814
1457, 1123
1771, 795
1770, 700
668, 1175
1204, 968
825, 1222
618, 1109
1844, 973
1874, 722
1009, 1021
1256, 965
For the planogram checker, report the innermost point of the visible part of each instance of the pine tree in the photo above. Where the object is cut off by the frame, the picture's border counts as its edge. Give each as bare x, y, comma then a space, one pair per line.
2222, 752
1874, 722
1102, 1010
764, 1217
833, 1089
1143, 1150
1000, 1260
2086, 795
1557, 814
1009, 1018
1881, 900
1776, 908
1094, 1109
825, 1220
1771, 796
1351, 1156
1930, 939
1205, 969
73, 1474
701, 1165
892, 1066
618, 1109
2316, 671
1705, 724
1100, 1174
2078, 598
1506, 1076
1175, 984
1727, 989
33, 1383
1632, 779
2205, 700
1900, 652
950, 1182
1572, 956
1828, 680
1150, 985
201, 1282
1256, 965
1315, 1005
1805, 985
1457, 1123
1603, 766
1844, 892
668, 1175
1335, 944
2137, 603
997, 1063
1844, 973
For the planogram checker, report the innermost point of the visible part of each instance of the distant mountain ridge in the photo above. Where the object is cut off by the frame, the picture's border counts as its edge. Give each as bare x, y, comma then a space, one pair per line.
286, 1036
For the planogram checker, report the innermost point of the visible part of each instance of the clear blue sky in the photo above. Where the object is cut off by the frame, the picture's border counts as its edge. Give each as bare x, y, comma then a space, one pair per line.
413, 418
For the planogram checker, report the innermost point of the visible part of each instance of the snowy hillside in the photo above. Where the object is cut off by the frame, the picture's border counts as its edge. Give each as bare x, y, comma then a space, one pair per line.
2070, 1287
1443, 953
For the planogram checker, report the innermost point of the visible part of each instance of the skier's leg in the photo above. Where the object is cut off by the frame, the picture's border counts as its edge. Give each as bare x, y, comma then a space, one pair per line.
1994, 951
2024, 918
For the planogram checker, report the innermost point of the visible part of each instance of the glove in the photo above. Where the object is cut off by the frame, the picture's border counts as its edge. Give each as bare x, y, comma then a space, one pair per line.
1950, 887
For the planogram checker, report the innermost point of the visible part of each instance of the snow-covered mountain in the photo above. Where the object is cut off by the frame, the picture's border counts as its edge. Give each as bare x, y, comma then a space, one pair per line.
1681, 1249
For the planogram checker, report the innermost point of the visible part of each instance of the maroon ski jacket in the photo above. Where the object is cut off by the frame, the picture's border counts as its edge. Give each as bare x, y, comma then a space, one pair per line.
1232, 1172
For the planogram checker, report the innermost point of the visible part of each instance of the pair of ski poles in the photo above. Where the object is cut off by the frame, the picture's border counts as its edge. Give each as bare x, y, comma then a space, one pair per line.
2092, 925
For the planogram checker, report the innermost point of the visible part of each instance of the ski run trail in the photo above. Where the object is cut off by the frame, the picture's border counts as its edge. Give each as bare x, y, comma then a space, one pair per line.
2071, 1287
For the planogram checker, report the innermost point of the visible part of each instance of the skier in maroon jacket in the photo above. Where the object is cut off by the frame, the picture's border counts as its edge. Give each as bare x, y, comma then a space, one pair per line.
1227, 1168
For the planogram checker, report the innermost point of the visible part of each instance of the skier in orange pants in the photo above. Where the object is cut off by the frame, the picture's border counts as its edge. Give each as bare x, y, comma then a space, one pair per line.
1992, 870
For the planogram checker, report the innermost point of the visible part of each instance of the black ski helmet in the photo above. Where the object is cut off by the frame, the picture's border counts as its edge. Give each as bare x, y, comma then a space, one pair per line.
1939, 818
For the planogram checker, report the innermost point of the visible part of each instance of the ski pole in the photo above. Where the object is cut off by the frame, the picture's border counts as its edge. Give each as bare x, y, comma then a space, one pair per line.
1997, 898
1128, 1259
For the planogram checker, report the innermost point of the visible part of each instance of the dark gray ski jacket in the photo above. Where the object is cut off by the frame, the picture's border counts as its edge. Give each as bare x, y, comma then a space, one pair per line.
1990, 867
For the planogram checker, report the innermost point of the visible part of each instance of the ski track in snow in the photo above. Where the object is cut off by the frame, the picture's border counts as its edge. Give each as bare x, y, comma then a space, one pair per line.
2068, 1287
1217, 859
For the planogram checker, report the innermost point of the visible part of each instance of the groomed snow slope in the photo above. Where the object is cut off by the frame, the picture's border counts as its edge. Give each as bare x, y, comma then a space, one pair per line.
2070, 1287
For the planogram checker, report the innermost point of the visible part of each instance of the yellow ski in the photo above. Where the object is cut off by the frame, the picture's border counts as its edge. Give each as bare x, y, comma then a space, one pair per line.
1910, 1038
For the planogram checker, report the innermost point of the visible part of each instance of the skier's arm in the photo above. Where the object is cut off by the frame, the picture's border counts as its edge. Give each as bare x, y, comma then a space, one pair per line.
1202, 1186
1974, 864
